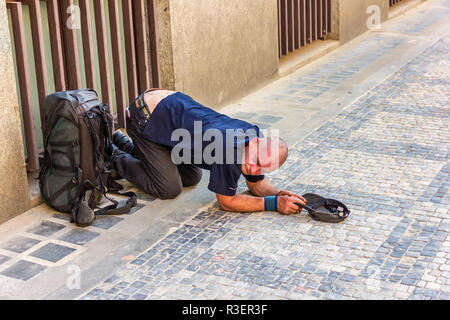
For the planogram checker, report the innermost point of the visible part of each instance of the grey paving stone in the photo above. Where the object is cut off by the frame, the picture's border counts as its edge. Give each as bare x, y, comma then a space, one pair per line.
112, 279
106, 222
312, 94
23, 270
46, 228
302, 100
52, 252
136, 209
20, 244
244, 115
296, 86
79, 236
269, 119
61, 216
121, 297
262, 125
139, 296
3, 259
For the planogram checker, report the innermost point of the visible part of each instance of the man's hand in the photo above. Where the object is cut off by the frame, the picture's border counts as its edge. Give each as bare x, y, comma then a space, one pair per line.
287, 200
286, 205
292, 194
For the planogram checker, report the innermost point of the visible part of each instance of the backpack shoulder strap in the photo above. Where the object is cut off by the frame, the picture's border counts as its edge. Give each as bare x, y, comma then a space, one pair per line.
114, 209
116, 188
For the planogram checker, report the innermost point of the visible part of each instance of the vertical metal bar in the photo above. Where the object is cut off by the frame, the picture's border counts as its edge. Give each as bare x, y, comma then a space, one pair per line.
117, 61
325, 17
56, 45
70, 46
290, 20
100, 26
39, 53
309, 21
302, 22
284, 25
297, 27
130, 48
329, 16
88, 45
23, 74
314, 19
279, 28
141, 45
154, 51
319, 19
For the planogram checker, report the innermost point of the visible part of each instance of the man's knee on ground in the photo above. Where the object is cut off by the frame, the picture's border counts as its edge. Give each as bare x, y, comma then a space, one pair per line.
170, 191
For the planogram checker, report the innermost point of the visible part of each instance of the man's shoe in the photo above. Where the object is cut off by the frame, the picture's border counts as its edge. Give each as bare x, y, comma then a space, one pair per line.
122, 142
115, 155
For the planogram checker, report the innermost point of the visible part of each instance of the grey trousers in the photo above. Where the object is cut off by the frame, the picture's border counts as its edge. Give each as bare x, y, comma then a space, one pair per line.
153, 170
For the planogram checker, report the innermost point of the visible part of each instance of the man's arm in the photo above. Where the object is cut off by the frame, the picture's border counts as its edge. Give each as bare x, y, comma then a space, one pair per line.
255, 203
262, 188
248, 203
240, 203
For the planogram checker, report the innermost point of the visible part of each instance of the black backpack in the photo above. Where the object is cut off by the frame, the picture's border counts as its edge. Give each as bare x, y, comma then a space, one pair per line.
76, 170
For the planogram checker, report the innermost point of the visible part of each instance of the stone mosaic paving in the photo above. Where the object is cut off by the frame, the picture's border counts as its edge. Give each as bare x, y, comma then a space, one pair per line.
386, 156
49, 243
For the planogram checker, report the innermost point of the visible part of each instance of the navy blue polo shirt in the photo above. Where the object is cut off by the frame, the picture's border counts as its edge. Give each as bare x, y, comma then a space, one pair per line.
204, 125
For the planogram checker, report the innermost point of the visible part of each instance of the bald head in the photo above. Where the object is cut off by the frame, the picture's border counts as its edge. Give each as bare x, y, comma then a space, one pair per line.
283, 149
272, 147
264, 155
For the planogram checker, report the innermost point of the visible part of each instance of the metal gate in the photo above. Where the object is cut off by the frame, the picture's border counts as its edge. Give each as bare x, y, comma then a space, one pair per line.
301, 22
393, 2
100, 24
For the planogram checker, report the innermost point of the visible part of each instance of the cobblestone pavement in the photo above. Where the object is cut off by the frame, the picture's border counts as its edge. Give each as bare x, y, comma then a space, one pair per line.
386, 156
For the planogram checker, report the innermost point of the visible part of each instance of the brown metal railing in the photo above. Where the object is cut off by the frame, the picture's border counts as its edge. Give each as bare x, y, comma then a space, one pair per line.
141, 54
393, 2
301, 22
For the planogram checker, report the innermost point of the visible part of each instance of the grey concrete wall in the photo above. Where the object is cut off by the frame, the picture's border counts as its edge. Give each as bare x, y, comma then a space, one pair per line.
223, 49
335, 19
14, 194
349, 17
164, 31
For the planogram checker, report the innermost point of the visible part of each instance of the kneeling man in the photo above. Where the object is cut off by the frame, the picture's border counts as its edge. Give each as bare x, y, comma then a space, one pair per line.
174, 138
